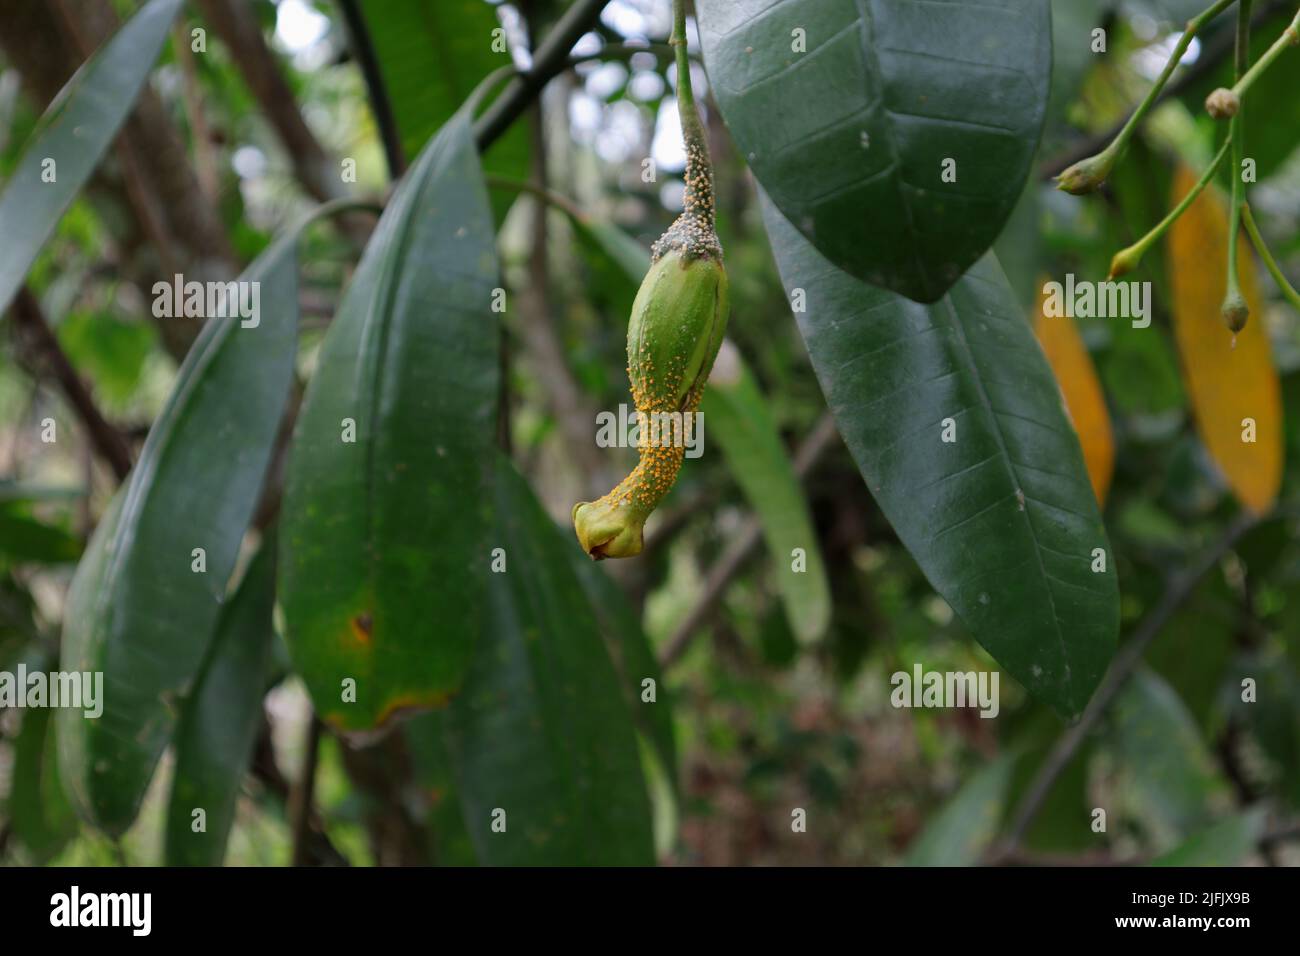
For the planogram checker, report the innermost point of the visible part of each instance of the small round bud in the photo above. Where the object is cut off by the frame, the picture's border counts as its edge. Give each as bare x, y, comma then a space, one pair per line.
1235, 312
1086, 175
1222, 103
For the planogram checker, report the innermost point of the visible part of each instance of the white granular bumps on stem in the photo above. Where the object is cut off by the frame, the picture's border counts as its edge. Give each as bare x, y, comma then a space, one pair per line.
693, 232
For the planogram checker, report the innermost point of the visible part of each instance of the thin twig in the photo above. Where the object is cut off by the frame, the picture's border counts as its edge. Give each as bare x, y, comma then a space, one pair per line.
1179, 588
742, 546
549, 59
237, 23
264, 769
205, 159
108, 441
302, 794
368, 60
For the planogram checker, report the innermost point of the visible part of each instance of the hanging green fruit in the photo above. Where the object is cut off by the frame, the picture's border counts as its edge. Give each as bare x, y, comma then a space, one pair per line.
677, 323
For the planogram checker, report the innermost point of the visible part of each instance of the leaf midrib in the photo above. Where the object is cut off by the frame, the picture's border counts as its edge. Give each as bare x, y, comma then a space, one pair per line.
1005, 455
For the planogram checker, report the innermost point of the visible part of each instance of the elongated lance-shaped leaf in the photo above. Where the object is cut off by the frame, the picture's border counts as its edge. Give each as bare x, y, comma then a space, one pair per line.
955, 421
432, 54
147, 593
896, 135
384, 565
220, 720
737, 420
540, 738
72, 137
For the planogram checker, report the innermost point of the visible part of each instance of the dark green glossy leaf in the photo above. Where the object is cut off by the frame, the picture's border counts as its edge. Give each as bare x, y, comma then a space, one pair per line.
737, 419
1002, 520
1272, 718
540, 730
74, 132
968, 822
17, 618
1063, 821
136, 610
384, 562
111, 350
220, 720
850, 138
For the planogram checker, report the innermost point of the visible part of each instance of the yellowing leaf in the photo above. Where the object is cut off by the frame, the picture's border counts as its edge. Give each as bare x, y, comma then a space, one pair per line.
1081, 390
1232, 388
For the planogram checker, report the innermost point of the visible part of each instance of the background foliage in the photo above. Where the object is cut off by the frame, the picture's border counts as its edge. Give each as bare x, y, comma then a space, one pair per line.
772, 687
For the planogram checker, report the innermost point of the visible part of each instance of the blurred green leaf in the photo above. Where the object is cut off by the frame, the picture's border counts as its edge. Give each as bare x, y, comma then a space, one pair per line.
1226, 843
384, 557
737, 417
1158, 750
24, 538
220, 720
17, 618
110, 350
968, 822
76, 129
137, 610
42, 818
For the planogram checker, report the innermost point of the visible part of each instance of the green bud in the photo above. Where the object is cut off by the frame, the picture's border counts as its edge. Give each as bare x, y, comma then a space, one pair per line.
1235, 311
1086, 175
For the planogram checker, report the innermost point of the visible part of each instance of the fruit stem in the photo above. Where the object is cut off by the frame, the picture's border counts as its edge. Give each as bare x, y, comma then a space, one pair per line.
1127, 259
1290, 37
1235, 311
1252, 230
1091, 172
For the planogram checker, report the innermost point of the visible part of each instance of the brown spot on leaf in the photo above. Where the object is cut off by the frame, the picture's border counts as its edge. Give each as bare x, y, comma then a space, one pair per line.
361, 627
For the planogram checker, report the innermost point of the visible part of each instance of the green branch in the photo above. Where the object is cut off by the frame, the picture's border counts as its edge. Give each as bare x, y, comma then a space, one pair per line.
1290, 37
1126, 260
1288, 291
1088, 174
1235, 311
